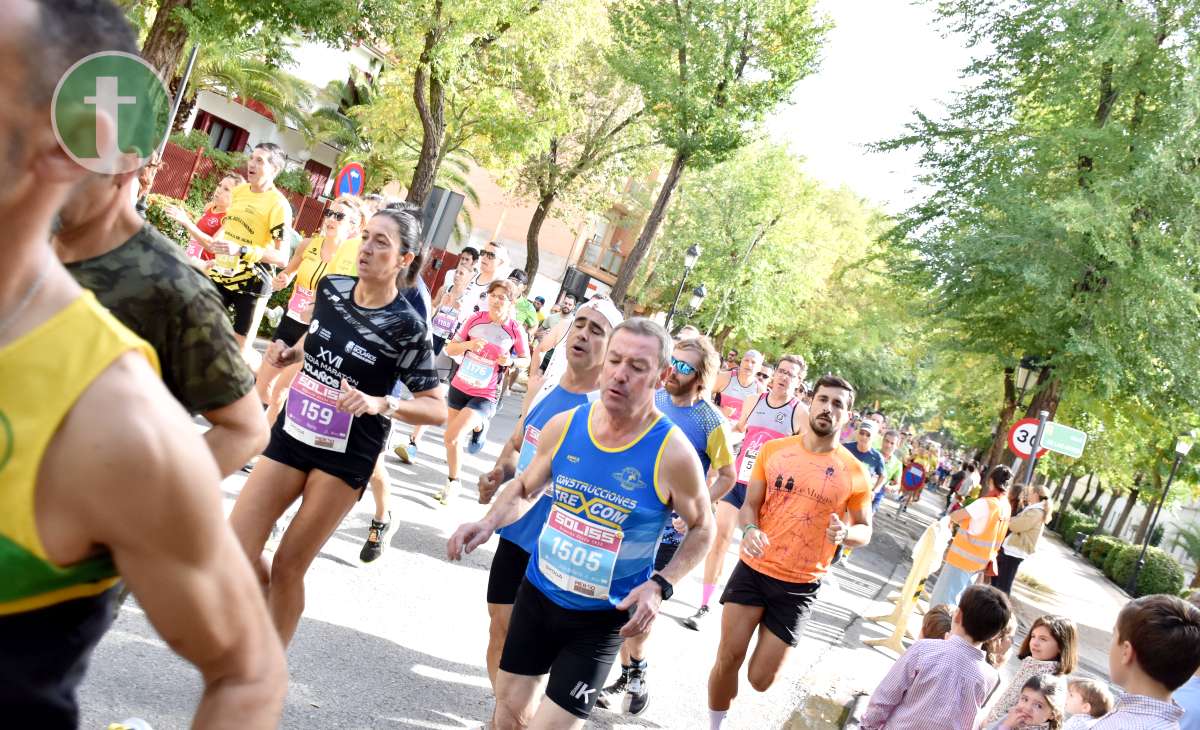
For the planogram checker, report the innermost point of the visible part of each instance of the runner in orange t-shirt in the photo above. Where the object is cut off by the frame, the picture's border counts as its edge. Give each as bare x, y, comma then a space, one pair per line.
800, 489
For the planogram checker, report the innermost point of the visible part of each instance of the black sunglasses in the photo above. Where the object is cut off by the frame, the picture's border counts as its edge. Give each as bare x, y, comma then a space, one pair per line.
339, 217
764, 376
487, 254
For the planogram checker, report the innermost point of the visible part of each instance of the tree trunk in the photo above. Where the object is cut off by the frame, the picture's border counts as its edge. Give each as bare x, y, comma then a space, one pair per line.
1059, 489
1096, 497
1128, 509
1000, 439
430, 99
720, 343
531, 235
1145, 524
1066, 500
649, 231
1112, 502
165, 43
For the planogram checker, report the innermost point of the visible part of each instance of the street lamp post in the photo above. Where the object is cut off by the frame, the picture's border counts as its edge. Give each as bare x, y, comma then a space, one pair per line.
1182, 447
698, 295
689, 260
1027, 375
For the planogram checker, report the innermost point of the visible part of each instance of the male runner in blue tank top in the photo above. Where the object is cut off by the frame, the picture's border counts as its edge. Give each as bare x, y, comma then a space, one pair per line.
617, 468
585, 344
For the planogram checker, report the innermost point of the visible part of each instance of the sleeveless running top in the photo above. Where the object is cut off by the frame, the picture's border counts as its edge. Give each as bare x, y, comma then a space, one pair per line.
524, 532
51, 617
599, 540
764, 424
735, 395
313, 268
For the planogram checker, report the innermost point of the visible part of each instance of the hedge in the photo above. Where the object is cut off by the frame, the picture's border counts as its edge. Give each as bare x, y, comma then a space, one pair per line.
1097, 547
1074, 523
1161, 574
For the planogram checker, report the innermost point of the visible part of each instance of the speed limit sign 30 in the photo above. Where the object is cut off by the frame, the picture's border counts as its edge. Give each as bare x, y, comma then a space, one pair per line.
1021, 436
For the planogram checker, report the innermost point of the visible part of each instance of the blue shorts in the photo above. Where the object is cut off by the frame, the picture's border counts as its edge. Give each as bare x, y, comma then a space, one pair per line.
736, 496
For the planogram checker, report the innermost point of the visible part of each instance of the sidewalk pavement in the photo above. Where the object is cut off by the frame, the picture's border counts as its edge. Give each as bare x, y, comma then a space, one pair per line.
1054, 581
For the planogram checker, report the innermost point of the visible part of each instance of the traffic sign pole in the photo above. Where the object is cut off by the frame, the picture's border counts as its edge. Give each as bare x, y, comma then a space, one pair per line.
1043, 416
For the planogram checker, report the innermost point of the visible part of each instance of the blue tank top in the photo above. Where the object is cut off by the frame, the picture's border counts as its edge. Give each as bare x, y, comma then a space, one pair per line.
524, 532
599, 540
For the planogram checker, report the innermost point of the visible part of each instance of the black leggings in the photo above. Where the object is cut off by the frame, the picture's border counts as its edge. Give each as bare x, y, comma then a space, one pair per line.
1006, 571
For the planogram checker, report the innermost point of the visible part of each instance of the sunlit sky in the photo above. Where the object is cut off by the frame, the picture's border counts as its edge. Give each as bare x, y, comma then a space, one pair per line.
882, 60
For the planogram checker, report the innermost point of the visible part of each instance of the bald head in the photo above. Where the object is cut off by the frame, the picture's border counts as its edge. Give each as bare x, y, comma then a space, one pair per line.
60, 32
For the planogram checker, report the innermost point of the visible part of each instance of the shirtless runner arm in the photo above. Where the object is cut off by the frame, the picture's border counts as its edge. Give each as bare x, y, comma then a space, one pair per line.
505, 466
168, 536
239, 431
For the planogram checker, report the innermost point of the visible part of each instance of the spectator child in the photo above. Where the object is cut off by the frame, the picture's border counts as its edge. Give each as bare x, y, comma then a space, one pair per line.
1039, 707
1155, 649
998, 647
1049, 648
938, 622
1087, 701
1188, 696
948, 680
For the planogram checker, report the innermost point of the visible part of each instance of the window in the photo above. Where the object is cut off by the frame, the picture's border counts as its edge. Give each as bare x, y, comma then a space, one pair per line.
226, 137
319, 175
612, 259
591, 252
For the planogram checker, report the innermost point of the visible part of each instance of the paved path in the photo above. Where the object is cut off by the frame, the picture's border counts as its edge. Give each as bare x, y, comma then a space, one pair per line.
400, 643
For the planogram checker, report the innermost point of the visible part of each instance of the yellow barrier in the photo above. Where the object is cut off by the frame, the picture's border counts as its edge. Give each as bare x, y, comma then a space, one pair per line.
927, 549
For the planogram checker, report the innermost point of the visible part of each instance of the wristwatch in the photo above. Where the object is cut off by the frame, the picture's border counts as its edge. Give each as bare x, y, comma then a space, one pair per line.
392, 404
667, 588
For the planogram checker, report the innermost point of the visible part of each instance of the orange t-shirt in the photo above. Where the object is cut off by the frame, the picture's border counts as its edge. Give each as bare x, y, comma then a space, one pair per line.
802, 490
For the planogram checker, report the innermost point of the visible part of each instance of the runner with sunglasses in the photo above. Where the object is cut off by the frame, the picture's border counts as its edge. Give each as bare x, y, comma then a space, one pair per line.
681, 400
776, 413
736, 387
310, 263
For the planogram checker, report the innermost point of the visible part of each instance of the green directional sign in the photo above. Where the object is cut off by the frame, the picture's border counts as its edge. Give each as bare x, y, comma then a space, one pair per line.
1064, 440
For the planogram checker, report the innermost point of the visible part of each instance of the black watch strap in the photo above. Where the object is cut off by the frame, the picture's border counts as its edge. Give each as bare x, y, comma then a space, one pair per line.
664, 584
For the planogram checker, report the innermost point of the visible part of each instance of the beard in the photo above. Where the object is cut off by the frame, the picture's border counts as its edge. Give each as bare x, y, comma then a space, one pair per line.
820, 428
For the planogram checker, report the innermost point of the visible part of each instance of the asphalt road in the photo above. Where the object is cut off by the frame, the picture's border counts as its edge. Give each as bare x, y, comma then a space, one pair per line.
400, 643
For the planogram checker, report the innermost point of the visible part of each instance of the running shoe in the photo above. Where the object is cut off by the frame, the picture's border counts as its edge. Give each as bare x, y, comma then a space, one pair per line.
693, 621
406, 452
377, 535
637, 697
610, 693
475, 445
447, 491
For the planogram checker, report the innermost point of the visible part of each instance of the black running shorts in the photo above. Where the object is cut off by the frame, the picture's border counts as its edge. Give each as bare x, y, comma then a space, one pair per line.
666, 551
577, 648
242, 304
508, 570
786, 605
290, 331
355, 472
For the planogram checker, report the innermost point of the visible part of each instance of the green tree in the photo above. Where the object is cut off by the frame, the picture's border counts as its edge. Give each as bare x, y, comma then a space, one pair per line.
708, 71
171, 23
597, 139
1063, 195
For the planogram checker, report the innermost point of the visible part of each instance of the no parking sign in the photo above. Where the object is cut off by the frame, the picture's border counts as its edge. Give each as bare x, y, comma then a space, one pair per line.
350, 180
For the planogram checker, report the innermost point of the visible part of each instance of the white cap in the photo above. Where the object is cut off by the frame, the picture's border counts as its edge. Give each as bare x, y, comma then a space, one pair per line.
605, 308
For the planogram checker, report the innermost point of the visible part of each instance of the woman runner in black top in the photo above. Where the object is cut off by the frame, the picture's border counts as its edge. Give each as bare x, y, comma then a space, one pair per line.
364, 335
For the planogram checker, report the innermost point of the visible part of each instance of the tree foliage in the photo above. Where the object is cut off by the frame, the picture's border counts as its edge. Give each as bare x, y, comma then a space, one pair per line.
708, 71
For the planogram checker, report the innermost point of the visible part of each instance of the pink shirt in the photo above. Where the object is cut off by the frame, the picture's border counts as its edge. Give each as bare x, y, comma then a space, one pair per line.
478, 375
939, 683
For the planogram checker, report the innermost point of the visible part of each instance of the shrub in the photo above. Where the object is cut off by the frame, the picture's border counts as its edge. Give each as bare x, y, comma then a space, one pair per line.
1081, 524
295, 180
1110, 560
156, 215
1097, 547
1066, 521
1083, 506
1156, 535
197, 139
1161, 574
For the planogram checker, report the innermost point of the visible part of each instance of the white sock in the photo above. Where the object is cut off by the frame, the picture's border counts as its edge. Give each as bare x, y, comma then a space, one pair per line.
716, 718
